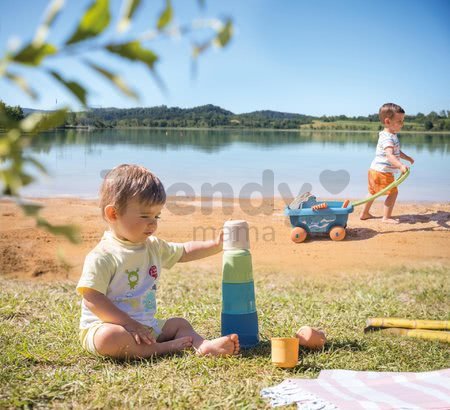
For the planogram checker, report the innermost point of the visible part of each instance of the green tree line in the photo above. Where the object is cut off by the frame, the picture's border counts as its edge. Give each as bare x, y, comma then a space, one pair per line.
211, 116
12, 113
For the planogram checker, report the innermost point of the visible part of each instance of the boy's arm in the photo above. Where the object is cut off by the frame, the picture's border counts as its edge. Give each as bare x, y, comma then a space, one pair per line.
394, 161
407, 157
201, 249
107, 312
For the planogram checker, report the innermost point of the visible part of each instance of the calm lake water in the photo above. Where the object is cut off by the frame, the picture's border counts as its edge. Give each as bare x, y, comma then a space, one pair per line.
244, 163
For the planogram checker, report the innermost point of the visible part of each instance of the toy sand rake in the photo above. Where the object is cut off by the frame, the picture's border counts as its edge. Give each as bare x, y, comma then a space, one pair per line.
420, 329
308, 216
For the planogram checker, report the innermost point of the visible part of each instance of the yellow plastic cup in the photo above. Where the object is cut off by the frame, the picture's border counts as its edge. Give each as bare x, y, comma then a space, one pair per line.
284, 351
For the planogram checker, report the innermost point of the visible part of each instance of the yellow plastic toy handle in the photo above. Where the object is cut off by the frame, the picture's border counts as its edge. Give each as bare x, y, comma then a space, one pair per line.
397, 182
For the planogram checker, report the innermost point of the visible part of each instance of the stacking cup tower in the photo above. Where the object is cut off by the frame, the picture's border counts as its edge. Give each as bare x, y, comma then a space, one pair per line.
238, 290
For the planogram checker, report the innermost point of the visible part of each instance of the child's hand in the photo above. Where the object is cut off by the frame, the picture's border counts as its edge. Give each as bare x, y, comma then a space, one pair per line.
140, 333
201, 249
404, 168
219, 238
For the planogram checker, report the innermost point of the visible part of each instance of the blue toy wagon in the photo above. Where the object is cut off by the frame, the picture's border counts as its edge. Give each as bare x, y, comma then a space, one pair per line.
308, 216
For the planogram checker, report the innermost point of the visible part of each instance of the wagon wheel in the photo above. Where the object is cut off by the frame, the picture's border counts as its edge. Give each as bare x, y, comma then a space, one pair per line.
298, 234
337, 233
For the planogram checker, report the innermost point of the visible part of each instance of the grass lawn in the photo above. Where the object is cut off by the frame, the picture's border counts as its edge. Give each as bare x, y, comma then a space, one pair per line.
42, 364
357, 125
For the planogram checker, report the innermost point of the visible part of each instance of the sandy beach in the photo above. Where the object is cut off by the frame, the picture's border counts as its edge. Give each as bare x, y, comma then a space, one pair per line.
422, 238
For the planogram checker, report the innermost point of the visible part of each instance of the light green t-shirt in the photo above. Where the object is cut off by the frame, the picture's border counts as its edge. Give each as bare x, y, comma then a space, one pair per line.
128, 275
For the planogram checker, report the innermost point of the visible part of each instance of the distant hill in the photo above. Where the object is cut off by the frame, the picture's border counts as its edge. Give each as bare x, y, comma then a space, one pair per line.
212, 116
205, 116
275, 115
27, 111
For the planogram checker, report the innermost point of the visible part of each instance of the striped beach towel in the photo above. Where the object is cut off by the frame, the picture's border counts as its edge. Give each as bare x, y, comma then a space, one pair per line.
346, 389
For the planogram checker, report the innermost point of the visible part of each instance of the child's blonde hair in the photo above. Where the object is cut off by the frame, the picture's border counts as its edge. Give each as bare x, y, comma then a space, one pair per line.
126, 182
388, 110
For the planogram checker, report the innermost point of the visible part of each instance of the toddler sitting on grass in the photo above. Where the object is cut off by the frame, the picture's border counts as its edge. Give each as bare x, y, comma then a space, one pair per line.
121, 274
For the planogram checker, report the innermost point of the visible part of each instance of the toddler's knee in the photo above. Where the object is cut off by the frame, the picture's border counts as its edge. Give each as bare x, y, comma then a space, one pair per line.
112, 341
181, 322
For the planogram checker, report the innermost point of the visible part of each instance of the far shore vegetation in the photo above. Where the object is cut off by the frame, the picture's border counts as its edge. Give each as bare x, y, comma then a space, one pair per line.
211, 116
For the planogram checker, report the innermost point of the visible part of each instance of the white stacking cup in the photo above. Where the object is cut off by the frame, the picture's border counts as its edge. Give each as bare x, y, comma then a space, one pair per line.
235, 235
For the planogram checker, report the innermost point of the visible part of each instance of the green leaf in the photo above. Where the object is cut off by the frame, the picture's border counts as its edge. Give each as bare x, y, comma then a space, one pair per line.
135, 52
222, 38
115, 79
71, 232
130, 8
94, 21
22, 83
38, 122
76, 89
225, 34
166, 16
30, 209
34, 54
11, 143
52, 12
199, 49
6, 122
36, 163
5, 145
13, 180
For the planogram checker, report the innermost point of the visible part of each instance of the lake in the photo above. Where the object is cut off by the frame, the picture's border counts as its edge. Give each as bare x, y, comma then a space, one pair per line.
245, 163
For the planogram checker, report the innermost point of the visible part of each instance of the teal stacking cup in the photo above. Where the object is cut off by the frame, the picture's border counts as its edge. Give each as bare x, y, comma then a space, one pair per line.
238, 298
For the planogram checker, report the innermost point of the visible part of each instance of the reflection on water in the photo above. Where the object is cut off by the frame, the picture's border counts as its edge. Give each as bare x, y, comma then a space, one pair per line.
198, 160
214, 140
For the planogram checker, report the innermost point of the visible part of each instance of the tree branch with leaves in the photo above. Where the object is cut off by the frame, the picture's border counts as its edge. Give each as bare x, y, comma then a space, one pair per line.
88, 35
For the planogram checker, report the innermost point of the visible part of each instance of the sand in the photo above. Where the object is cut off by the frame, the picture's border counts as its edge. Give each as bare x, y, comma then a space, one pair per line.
422, 239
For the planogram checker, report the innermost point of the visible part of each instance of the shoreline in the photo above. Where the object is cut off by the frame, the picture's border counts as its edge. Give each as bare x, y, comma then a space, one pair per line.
215, 200
422, 239
85, 128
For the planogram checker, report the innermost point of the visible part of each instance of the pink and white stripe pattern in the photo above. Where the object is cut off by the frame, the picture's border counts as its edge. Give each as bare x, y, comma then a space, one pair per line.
346, 389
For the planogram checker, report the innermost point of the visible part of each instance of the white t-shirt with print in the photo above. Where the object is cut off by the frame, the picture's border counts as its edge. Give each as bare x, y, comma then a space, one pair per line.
128, 275
381, 163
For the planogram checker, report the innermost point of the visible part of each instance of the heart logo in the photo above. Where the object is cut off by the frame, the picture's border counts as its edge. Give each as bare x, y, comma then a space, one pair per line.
334, 181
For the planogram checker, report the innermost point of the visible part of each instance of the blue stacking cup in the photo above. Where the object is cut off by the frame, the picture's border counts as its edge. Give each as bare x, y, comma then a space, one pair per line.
245, 325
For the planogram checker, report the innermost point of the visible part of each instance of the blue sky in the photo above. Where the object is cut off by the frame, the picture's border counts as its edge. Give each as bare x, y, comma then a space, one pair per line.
322, 57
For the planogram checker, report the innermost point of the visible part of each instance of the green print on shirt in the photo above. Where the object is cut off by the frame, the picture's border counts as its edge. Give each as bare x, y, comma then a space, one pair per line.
133, 278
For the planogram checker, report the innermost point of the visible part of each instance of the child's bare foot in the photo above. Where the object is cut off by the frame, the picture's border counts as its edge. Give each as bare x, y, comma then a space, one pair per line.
363, 217
389, 221
179, 344
222, 346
